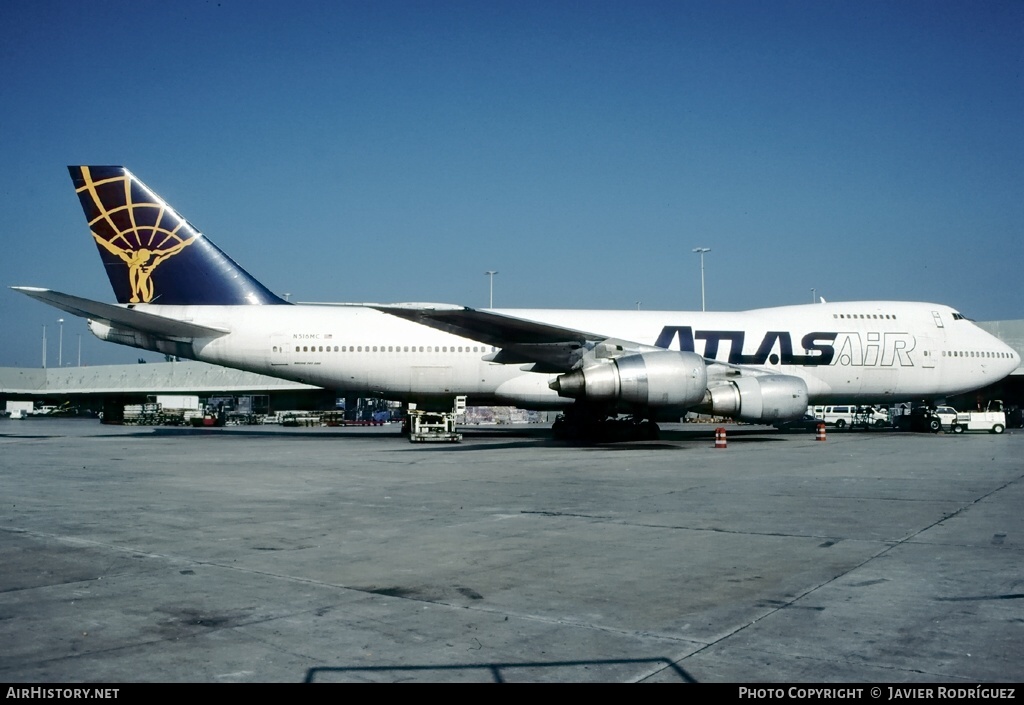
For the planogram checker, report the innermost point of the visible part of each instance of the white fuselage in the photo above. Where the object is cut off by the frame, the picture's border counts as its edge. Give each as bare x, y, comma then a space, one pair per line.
875, 352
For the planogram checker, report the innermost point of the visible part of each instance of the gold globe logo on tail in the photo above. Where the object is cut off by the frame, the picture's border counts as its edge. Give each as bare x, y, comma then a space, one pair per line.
136, 227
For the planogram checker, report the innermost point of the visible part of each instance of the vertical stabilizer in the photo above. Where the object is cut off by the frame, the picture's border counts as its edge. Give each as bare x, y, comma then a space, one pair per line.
153, 255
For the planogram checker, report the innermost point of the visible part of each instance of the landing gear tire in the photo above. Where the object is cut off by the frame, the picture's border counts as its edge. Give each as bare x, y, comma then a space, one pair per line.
648, 431
590, 428
559, 429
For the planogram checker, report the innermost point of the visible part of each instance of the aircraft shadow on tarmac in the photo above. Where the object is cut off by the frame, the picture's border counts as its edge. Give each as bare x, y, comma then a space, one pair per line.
512, 437
496, 670
506, 437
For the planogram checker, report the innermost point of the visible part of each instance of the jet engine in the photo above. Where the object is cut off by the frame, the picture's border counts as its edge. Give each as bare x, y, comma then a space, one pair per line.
658, 379
766, 399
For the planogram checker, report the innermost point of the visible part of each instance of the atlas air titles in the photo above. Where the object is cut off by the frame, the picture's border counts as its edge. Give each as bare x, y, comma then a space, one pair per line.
849, 349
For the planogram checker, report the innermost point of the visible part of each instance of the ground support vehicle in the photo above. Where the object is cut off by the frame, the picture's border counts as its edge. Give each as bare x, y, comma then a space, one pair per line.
870, 417
434, 426
809, 422
846, 416
992, 419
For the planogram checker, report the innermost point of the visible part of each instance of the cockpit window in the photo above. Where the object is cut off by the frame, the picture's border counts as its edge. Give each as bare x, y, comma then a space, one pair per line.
961, 317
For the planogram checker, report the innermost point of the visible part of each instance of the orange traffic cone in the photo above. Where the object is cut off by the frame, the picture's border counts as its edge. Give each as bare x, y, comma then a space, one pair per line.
720, 437
820, 435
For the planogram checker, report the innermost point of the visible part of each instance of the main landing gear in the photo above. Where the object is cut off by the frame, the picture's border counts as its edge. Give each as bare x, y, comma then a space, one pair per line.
594, 427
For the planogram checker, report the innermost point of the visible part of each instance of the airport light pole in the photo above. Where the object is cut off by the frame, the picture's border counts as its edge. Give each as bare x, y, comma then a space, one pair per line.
813, 298
79, 349
60, 347
44, 347
491, 274
701, 251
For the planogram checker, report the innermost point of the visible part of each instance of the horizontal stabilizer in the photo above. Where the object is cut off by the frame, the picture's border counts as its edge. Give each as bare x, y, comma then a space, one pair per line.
119, 316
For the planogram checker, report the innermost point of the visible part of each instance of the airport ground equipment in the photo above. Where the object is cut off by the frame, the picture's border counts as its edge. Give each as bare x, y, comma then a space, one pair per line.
294, 419
992, 419
870, 417
435, 426
337, 418
946, 414
923, 419
148, 414
20, 409
846, 415
177, 409
839, 416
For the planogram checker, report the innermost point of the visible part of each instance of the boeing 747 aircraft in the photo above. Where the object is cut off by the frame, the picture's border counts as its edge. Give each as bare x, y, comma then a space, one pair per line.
179, 294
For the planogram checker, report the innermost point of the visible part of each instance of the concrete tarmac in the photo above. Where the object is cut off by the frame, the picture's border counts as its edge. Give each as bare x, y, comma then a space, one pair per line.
261, 554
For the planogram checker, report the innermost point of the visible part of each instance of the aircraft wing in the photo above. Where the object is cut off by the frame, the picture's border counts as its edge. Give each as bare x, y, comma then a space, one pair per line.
543, 347
119, 316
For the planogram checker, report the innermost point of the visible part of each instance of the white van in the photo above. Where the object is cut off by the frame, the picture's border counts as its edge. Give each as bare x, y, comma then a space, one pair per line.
844, 415
839, 416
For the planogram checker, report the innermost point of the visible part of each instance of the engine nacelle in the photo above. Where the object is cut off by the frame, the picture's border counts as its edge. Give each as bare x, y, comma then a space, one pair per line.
766, 399
659, 379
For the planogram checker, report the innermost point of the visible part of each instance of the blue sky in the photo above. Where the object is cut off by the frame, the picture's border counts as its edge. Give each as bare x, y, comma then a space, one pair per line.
395, 151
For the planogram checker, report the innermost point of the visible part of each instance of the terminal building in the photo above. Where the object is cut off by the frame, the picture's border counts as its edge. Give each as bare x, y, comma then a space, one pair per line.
108, 388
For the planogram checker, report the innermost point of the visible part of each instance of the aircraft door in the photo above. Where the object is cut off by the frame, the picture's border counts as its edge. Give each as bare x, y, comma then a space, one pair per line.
929, 351
426, 379
280, 349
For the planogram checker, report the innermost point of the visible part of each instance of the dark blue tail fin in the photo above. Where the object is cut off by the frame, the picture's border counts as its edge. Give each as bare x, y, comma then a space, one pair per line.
152, 254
